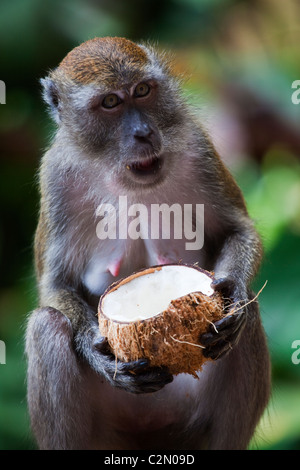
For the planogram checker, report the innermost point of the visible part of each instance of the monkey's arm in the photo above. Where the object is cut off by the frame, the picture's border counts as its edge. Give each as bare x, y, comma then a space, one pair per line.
89, 345
61, 291
234, 270
238, 260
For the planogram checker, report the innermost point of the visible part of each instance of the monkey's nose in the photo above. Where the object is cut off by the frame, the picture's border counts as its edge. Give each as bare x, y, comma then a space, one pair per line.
142, 132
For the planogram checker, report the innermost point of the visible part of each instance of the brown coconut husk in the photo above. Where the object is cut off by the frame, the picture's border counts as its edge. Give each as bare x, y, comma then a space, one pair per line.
170, 338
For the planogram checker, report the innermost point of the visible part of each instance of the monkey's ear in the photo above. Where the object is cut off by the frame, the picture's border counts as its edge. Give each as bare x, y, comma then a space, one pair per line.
52, 98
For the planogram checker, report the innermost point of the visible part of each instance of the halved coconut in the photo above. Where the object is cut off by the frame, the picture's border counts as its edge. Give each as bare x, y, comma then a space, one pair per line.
159, 313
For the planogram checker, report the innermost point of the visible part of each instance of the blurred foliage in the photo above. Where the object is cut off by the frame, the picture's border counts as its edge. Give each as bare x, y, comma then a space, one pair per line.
239, 59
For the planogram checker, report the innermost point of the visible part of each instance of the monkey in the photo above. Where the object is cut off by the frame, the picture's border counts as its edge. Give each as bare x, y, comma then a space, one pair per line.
124, 127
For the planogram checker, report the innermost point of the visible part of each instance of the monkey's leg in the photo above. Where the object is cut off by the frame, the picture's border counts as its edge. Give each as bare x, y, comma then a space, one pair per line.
59, 411
240, 388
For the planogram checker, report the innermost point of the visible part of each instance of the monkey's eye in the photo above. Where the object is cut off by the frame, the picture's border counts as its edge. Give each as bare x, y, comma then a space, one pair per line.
110, 101
142, 89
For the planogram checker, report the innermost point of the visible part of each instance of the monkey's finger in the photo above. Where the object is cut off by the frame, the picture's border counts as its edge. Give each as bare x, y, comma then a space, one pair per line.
138, 377
101, 345
217, 331
144, 371
225, 285
231, 322
224, 328
211, 339
217, 345
219, 350
135, 367
155, 380
152, 381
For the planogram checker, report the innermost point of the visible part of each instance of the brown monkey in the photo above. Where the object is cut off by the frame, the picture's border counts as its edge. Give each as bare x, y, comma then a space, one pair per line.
124, 129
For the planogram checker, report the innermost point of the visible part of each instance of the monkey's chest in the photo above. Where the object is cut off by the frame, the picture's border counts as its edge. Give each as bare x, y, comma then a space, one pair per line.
115, 259
129, 238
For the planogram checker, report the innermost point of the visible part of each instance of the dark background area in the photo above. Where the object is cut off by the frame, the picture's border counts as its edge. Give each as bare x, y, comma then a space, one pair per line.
240, 59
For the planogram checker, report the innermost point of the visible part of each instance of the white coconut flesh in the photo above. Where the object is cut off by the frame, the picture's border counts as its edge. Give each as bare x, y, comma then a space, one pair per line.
148, 295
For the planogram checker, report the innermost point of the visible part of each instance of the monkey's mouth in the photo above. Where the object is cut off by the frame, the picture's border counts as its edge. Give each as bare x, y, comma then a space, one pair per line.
147, 166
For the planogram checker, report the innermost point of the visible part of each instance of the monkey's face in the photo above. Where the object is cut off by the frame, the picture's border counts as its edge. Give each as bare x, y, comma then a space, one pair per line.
131, 137
118, 103
135, 125
132, 130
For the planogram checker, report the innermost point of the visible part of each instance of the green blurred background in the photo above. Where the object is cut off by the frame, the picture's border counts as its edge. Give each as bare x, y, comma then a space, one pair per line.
239, 59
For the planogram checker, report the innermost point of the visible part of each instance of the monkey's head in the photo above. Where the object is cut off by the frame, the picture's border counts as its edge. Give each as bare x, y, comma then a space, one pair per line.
119, 103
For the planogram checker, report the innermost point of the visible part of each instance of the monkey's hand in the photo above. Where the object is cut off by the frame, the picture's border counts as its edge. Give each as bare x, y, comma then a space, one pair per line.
135, 377
225, 333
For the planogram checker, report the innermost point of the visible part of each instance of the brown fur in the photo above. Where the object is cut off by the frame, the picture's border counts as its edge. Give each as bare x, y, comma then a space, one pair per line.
91, 62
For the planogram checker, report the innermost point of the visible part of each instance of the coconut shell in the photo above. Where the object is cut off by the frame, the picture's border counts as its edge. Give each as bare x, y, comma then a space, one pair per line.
170, 338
